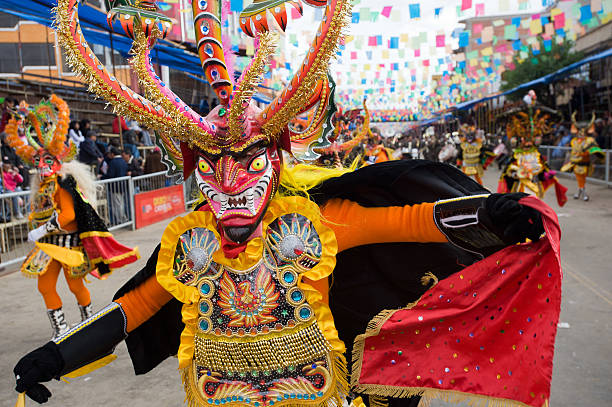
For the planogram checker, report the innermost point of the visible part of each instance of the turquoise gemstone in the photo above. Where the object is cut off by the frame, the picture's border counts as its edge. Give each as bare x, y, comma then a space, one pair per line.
296, 296
204, 307
305, 313
288, 277
204, 325
205, 289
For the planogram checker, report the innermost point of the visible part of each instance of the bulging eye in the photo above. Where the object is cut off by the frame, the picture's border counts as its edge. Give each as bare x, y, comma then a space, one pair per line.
258, 164
204, 167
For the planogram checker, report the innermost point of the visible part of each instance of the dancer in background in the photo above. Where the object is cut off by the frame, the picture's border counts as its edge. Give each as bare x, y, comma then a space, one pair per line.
473, 158
584, 148
64, 188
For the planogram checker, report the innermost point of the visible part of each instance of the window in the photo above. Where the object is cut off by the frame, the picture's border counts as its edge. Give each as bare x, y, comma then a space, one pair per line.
9, 63
8, 20
37, 54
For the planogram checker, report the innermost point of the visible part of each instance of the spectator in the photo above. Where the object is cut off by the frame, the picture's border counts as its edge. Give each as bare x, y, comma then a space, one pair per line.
117, 167
8, 155
85, 127
153, 163
74, 133
133, 165
602, 135
11, 179
146, 137
5, 111
88, 151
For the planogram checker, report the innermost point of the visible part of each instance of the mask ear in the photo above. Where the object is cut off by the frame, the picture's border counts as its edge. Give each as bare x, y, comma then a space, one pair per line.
591, 129
189, 160
574, 129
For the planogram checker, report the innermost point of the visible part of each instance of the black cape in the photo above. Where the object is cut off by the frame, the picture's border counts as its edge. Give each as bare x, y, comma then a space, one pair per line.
87, 218
367, 279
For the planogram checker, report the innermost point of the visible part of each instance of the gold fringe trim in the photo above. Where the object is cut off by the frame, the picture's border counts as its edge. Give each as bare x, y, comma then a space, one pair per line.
378, 401
264, 354
379, 393
277, 121
428, 278
251, 77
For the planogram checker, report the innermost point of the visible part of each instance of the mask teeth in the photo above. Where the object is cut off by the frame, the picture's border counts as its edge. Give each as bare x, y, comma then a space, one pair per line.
224, 199
251, 201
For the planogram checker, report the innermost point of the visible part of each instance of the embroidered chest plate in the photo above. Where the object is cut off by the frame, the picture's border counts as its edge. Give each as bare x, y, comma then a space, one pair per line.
471, 153
257, 340
579, 151
43, 206
529, 164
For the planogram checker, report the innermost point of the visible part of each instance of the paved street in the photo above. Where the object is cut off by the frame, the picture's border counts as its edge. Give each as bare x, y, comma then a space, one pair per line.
583, 359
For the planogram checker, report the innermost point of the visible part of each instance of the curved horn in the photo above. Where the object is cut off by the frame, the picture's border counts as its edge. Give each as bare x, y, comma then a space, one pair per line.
207, 24
125, 101
250, 78
574, 119
593, 117
25, 151
31, 140
284, 107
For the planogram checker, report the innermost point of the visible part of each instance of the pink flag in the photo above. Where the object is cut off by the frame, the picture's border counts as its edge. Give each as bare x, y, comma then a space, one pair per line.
559, 21
386, 11
440, 40
295, 14
372, 41
466, 4
480, 9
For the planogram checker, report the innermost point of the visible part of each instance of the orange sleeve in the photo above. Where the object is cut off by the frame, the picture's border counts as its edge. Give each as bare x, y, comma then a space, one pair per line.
66, 217
355, 225
143, 302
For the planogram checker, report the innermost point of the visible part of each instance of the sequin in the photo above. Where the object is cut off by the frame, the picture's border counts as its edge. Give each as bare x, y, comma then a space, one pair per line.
393, 361
420, 318
446, 369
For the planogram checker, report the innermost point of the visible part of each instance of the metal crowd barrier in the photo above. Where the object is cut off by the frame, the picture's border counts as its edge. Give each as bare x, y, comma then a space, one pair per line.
115, 206
556, 156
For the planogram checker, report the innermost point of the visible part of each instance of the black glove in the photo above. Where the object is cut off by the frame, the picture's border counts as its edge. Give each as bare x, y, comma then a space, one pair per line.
40, 365
515, 221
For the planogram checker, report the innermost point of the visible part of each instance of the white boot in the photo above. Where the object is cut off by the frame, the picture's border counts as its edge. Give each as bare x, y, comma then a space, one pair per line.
58, 322
585, 197
86, 311
578, 193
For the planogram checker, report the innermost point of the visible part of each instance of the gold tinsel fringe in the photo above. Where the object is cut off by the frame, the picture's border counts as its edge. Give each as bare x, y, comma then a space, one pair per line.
277, 121
99, 83
250, 78
141, 51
